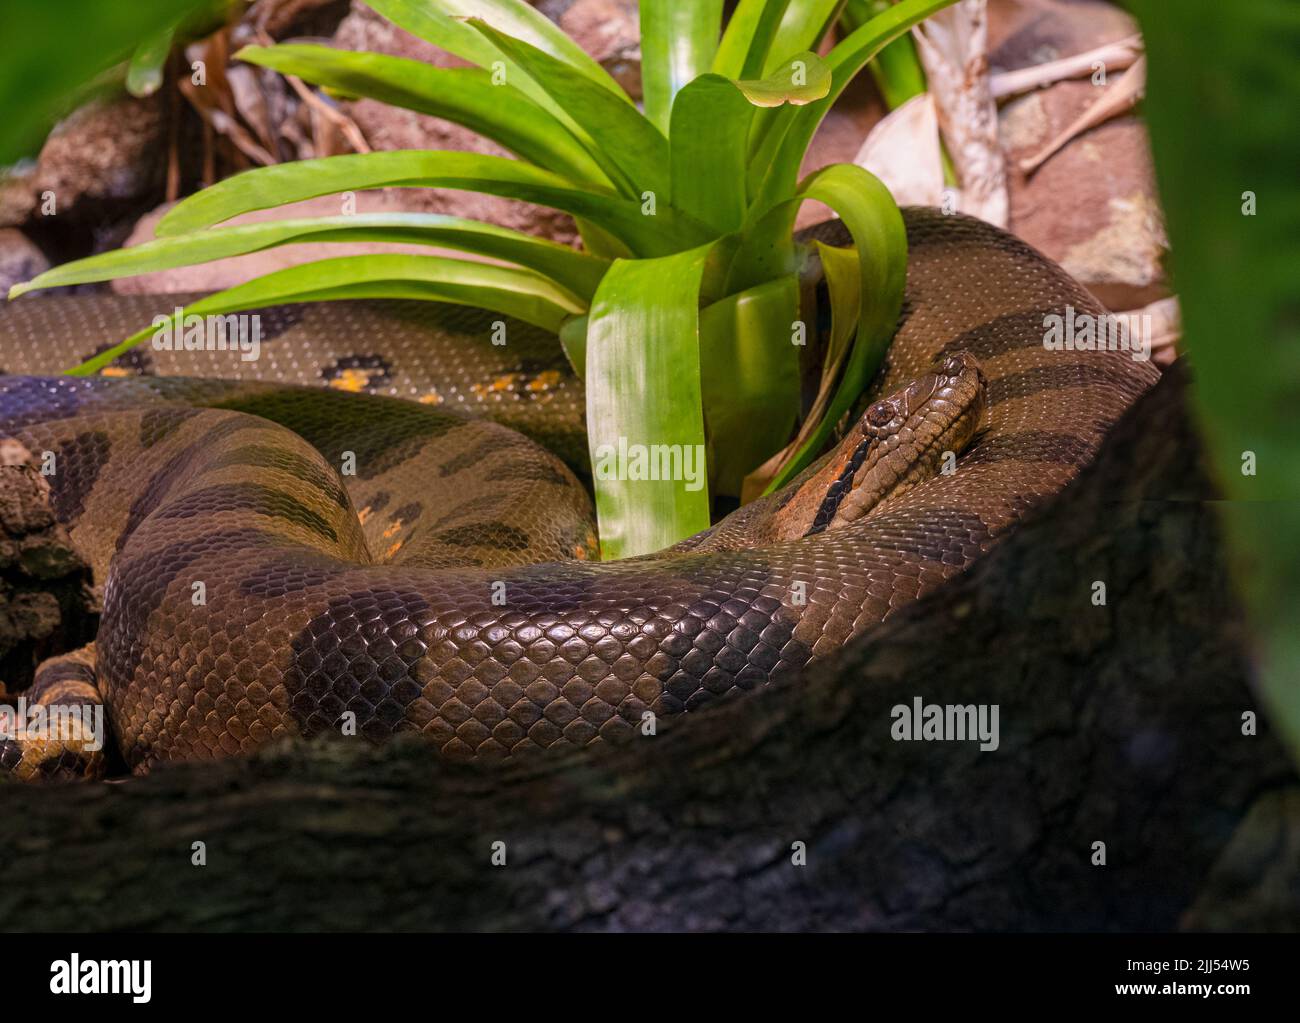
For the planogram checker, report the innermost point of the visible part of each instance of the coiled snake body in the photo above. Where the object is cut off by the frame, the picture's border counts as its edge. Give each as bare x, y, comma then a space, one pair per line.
445, 583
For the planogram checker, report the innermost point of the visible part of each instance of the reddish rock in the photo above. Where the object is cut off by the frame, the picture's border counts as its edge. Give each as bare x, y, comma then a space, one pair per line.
609, 30
1093, 206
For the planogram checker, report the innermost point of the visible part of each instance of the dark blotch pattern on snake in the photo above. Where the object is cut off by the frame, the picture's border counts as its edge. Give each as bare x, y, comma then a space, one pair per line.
447, 582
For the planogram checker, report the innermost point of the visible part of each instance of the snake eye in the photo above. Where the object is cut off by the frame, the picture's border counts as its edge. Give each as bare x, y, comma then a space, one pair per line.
954, 366
880, 414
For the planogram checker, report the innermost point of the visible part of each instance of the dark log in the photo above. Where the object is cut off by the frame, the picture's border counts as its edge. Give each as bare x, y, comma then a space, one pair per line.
1120, 724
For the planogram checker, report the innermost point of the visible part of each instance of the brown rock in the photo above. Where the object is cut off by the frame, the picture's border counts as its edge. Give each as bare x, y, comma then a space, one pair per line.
99, 161
20, 259
1093, 206
17, 196
1027, 32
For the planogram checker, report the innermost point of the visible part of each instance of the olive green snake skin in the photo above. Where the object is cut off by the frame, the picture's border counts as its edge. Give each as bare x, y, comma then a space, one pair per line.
279, 559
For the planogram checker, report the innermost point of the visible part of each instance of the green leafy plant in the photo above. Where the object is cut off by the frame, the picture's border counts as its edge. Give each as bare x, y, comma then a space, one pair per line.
683, 313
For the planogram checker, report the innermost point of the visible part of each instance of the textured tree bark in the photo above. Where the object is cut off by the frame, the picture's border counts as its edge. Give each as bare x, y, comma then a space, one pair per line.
1120, 724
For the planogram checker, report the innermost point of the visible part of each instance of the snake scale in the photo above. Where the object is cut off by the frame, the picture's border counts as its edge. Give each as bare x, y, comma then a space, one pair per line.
449, 583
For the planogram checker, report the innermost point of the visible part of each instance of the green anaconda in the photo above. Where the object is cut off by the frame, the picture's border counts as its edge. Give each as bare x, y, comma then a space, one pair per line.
278, 558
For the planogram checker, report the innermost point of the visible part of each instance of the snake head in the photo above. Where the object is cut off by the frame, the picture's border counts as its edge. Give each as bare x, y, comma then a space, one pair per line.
900, 441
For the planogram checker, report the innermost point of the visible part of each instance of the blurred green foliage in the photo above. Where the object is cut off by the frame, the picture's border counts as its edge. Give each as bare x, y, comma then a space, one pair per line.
51, 49
1222, 98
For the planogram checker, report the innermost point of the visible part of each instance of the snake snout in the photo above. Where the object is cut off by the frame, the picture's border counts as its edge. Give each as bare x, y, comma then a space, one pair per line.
901, 440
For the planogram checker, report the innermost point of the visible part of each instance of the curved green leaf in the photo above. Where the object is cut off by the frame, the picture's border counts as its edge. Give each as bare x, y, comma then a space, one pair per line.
897, 68
707, 150
519, 293
803, 26
748, 38
575, 271
643, 403
144, 72
678, 41
710, 146
872, 217
465, 96
749, 377
868, 210
844, 289
265, 187
443, 23
787, 139
797, 80
631, 150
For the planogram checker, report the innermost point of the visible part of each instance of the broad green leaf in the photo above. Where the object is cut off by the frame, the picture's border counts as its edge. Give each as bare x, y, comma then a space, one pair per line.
843, 276
443, 23
575, 271
465, 96
798, 80
678, 40
872, 217
748, 38
707, 149
631, 150
519, 293
1221, 100
144, 72
749, 373
573, 339
643, 400
794, 128
265, 187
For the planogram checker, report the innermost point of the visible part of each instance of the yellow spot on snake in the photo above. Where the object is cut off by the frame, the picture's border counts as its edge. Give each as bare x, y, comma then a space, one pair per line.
498, 386
364, 514
588, 548
353, 380
393, 550
544, 381
432, 398
115, 371
393, 530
